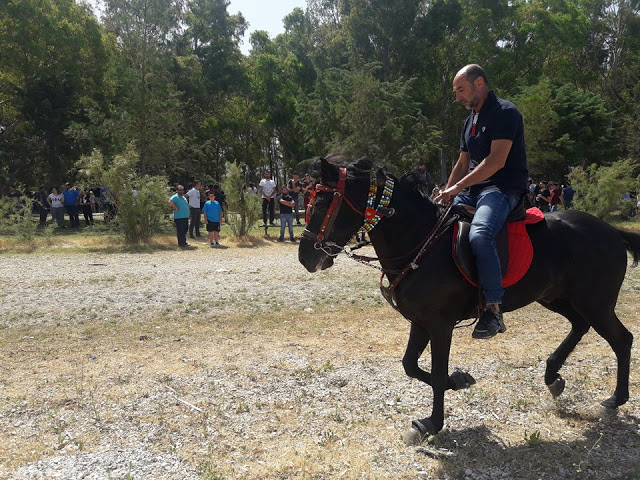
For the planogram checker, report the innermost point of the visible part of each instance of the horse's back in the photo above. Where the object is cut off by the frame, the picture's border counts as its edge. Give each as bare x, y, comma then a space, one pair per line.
577, 254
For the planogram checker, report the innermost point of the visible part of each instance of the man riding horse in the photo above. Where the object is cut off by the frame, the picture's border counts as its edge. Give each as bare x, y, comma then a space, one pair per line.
491, 175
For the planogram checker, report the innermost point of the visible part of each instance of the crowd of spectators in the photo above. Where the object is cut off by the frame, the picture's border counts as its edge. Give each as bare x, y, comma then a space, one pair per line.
289, 200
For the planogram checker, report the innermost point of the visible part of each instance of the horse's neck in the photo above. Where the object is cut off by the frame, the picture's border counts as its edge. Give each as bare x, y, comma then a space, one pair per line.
397, 239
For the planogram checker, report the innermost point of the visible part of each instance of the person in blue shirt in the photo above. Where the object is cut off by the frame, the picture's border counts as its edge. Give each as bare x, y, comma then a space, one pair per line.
71, 197
213, 215
180, 207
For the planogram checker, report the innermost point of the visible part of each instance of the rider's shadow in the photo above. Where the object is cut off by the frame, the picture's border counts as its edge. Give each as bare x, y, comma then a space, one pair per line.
607, 449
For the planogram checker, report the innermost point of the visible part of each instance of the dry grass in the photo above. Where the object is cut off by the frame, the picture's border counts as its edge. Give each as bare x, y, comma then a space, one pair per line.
284, 394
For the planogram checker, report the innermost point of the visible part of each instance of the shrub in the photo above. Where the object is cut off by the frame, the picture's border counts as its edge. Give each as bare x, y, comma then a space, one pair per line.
140, 201
16, 219
599, 190
244, 206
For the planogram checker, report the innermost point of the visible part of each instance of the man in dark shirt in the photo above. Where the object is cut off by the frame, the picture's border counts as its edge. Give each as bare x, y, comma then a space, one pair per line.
491, 175
295, 185
221, 198
544, 197
286, 214
567, 196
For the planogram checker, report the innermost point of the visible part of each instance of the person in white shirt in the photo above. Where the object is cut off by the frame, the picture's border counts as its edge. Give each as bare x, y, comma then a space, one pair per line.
195, 212
55, 201
268, 190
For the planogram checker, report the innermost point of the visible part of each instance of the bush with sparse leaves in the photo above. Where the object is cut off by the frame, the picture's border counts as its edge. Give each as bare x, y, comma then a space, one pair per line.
15, 217
600, 189
140, 201
244, 205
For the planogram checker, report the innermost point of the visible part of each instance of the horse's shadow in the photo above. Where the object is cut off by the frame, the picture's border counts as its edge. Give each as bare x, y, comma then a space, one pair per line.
607, 449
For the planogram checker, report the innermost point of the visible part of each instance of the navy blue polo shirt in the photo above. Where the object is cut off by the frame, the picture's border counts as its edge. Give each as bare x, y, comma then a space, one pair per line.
498, 119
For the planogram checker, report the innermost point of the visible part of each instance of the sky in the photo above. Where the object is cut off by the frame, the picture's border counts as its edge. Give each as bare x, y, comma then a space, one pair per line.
263, 15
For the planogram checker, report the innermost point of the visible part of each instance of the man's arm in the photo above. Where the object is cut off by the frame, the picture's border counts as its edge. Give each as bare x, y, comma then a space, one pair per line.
173, 205
490, 165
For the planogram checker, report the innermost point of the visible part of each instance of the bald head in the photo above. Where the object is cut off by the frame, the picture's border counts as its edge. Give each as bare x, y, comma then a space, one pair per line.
473, 71
471, 87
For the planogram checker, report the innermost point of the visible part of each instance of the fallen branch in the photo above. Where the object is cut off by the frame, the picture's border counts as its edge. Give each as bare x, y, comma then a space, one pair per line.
175, 394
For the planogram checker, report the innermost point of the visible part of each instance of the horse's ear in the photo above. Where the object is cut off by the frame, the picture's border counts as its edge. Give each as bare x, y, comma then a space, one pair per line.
328, 172
381, 177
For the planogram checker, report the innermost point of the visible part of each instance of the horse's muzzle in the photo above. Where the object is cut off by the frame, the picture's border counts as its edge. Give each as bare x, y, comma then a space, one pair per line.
311, 258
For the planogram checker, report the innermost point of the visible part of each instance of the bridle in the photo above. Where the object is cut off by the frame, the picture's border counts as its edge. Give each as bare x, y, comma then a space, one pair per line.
332, 212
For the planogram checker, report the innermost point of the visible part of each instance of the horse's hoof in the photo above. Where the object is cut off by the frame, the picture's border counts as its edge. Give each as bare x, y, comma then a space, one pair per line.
461, 380
420, 429
612, 402
557, 387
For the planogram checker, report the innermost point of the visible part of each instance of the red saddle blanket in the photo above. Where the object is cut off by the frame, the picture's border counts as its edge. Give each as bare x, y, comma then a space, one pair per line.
513, 244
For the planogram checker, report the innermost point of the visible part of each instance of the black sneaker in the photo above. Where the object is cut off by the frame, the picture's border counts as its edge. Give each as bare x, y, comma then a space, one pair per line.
281, 239
489, 324
292, 240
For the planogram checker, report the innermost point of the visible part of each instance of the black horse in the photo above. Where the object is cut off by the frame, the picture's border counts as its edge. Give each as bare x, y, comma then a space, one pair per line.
577, 270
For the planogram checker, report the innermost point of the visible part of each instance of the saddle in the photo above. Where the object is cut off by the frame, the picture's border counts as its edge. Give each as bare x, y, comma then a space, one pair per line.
512, 243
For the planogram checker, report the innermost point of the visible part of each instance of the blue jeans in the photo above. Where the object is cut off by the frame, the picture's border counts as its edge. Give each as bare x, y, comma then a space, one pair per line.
492, 209
286, 218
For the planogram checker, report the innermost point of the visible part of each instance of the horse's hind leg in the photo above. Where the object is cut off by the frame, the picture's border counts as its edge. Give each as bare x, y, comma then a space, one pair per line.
579, 327
620, 339
418, 341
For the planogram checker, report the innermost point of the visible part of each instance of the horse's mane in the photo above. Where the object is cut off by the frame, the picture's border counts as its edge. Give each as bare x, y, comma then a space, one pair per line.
411, 181
365, 167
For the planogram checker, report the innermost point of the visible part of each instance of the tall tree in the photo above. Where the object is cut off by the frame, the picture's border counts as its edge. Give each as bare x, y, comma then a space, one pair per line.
148, 101
51, 87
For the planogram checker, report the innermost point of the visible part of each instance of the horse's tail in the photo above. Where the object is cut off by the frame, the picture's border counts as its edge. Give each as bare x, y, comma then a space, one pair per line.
632, 243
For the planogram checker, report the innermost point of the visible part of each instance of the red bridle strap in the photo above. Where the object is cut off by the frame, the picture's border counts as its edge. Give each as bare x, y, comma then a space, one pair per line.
332, 211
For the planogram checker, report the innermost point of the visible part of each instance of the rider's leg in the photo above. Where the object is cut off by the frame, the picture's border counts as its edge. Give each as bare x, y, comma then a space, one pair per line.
492, 210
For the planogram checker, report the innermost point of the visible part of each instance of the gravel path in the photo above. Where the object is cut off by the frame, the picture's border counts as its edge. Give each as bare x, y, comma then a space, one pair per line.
77, 287
216, 364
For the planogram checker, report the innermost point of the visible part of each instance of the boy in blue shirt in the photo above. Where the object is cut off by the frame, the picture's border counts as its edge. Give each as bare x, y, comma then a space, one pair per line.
213, 218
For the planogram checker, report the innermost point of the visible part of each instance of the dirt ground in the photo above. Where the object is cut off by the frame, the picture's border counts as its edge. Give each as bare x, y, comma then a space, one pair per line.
235, 363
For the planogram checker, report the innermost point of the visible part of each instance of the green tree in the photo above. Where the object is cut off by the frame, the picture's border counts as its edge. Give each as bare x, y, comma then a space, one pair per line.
52, 87
355, 113
148, 103
536, 103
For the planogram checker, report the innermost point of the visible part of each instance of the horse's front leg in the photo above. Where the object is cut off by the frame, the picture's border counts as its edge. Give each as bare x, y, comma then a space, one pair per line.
440, 347
418, 341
